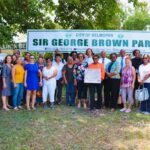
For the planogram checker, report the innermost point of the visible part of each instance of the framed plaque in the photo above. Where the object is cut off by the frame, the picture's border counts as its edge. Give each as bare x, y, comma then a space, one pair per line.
92, 76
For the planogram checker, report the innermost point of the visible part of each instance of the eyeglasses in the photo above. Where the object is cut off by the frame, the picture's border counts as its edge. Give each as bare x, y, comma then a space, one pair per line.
32, 58
95, 58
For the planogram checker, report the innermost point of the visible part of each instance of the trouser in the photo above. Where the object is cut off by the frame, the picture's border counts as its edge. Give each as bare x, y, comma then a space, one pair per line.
17, 94
145, 105
104, 91
82, 90
58, 92
48, 89
136, 86
70, 94
127, 91
24, 94
95, 88
112, 92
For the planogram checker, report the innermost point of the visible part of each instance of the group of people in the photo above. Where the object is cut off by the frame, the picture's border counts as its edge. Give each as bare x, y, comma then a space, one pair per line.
34, 82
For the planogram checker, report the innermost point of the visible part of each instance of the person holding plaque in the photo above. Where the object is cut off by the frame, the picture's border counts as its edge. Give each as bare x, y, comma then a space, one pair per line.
96, 73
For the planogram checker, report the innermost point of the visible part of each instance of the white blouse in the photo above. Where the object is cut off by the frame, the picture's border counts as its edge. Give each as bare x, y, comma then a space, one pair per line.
48, 73
144, 70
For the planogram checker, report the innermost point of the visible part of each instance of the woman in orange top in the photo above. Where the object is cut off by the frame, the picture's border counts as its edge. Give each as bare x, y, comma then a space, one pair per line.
18, 80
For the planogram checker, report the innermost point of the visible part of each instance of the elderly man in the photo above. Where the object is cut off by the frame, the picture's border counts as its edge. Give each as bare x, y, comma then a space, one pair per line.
59, 78
121, 59
104, 60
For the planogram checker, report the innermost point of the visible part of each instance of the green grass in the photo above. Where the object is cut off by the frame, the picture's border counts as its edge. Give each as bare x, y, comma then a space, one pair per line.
67, 128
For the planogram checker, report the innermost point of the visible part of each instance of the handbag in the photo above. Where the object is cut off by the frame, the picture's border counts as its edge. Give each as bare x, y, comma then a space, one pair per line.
141, 94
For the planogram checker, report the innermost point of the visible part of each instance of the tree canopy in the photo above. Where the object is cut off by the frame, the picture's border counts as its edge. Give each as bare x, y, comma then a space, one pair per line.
81, 14
139, 20
18, 16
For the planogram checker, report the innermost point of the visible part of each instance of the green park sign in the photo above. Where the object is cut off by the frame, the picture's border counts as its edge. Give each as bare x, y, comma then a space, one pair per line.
98, 40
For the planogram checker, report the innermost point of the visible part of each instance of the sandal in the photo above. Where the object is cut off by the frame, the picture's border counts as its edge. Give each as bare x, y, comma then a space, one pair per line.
28, 108
10, 107
6, 109
33, 108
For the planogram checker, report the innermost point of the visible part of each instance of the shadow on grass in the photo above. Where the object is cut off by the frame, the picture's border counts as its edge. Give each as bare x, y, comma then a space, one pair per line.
70, 128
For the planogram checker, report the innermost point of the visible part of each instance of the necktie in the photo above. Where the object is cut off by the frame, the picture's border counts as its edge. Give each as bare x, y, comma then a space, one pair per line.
121, 63
103, 60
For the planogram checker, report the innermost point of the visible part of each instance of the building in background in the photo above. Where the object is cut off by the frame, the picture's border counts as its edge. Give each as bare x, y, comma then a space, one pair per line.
19, 44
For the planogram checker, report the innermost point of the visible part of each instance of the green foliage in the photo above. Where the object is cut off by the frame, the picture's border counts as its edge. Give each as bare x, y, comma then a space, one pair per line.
135, 2
48, 55
95, 14
139, 20
35, 54
18, 16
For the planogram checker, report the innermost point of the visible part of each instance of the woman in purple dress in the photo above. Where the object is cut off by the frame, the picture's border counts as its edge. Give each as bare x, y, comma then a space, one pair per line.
32, 73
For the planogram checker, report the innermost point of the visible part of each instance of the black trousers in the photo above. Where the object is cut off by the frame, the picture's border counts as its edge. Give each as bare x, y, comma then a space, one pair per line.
58, 92
136, 85
82, 90
111, 92
98, 89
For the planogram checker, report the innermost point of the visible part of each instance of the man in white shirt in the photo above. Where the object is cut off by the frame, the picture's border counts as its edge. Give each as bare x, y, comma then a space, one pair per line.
59, 78
121, 61
57, 51
104, 60
122, 58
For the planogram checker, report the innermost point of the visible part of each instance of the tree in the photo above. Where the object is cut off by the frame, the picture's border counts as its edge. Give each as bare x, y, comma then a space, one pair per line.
139, 20
90, 14
18, 16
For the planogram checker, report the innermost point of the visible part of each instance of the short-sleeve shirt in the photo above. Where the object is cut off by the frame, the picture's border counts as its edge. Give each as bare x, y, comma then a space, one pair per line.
49, 72
69, 73
144, 70
59, 68
115, 67
19, 74
79, 70
6, 73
